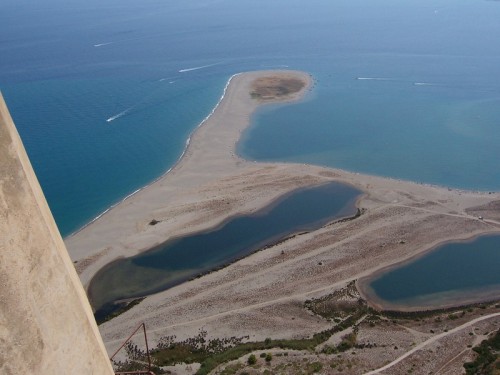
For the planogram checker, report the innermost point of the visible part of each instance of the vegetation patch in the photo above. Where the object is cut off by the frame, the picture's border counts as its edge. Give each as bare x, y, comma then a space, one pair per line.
345, 308
274, 87
487, 361
338, 305
212, 353
136, 361
122, 307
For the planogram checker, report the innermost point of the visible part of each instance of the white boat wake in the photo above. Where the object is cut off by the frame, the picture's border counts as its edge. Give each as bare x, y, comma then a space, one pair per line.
375, 79
141, 102
102, 44
121, 114
188, 141
197, 68
424, 84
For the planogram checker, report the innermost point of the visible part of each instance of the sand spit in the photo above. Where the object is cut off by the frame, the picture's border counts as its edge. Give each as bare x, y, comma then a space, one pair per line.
184, 199
263, 294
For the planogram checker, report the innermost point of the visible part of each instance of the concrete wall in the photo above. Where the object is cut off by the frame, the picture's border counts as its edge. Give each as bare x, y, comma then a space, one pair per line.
46, 323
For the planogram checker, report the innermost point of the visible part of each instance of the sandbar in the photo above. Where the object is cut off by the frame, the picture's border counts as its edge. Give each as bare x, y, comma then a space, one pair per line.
262, 294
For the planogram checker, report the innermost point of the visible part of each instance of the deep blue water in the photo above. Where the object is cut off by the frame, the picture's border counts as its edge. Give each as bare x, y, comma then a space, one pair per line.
451, 271
178, 259
67, 67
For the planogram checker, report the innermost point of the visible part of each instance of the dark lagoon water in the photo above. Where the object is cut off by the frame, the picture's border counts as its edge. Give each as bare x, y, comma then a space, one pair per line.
453, 273
428, 109
182, 258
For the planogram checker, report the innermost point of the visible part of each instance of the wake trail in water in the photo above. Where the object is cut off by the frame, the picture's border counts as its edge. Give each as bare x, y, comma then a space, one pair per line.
424, 84
139, 104
375, 79
397, 80
188, 141
102, 44
121, 114
197, 68
169, 79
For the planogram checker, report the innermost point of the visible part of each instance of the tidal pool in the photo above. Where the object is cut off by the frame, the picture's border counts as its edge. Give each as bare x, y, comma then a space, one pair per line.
182, 258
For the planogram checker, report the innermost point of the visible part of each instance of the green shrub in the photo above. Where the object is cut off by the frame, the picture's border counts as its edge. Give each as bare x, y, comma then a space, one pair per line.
252, 360
315, 367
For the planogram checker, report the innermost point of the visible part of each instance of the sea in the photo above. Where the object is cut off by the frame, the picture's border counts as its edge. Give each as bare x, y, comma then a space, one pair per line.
105, 94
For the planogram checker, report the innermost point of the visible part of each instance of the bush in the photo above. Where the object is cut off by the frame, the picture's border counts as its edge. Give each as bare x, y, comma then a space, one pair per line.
269, 357
487, 358
315, 367
252, 360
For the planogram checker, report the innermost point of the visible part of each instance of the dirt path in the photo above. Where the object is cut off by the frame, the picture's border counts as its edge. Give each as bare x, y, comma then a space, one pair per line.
432, 340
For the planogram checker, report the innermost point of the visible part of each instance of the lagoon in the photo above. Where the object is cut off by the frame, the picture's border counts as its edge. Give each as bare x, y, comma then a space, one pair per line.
454, 273
183, 258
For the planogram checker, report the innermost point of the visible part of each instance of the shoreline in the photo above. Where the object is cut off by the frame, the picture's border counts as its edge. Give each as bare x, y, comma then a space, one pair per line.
462, 298
186, 145
211, 183
70, 239
349, 211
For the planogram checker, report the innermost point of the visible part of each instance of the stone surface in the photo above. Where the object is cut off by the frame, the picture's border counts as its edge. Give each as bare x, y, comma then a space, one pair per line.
46, 323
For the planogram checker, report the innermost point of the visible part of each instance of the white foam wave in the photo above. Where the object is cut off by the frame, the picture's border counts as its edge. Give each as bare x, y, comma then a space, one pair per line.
102, 44
109, 209
197, 68
424, 84
220, 100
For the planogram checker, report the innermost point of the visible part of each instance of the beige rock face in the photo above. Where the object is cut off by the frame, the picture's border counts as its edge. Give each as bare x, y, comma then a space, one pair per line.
46, 324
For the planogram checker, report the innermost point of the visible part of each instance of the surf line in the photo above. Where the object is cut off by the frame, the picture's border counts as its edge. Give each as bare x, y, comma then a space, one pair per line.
197, 68
188, 141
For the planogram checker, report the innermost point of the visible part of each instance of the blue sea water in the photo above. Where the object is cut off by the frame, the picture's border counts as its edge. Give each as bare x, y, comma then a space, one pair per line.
432, 115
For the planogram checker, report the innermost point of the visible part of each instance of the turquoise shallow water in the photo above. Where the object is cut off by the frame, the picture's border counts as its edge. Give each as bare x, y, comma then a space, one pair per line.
157, 68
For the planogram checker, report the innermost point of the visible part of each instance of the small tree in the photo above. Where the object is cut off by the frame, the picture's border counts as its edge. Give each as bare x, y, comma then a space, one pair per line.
269, 357
252, 360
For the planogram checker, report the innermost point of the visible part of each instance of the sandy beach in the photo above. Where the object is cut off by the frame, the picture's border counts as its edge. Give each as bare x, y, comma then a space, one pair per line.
261, 295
